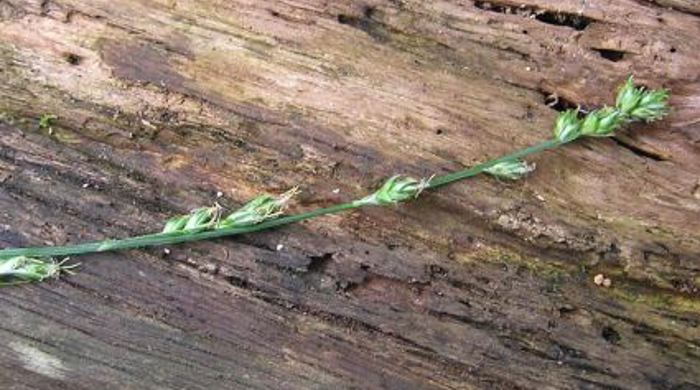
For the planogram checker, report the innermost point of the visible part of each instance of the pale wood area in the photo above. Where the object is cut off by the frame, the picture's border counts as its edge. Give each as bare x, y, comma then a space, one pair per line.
483, 284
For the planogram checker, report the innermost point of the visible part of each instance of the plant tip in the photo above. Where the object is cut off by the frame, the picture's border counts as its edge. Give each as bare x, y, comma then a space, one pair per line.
640, 104
653, 105
24, 269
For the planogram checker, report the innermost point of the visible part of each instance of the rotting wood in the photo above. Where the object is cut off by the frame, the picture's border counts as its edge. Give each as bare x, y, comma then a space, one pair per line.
480, 285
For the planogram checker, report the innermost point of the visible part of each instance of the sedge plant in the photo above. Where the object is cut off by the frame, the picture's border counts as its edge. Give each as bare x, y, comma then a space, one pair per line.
23, 265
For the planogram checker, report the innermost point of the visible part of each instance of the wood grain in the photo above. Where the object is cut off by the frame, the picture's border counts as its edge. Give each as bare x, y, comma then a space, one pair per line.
483, 284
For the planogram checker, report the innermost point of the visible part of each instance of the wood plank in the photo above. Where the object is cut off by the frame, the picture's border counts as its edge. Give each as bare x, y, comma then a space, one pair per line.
482, 284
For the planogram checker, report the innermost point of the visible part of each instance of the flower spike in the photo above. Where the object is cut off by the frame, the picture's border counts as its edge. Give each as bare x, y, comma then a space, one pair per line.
601, 123
199, 219
628, 97
567, 126
396, 189
652, 106
260, 209
638, 104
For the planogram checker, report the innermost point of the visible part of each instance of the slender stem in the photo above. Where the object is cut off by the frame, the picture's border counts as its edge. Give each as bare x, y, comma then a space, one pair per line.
480, 168
181, 237
168, 238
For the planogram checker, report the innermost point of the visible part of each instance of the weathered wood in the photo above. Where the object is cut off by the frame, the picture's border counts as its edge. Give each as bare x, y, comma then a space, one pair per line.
479, 285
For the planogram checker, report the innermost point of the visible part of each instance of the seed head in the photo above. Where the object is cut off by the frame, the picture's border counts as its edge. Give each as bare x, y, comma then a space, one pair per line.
175, 224
201, 218
23, 269
510, 170
652, 106
396, 189
567, 126
638, 104
198, 219
628, 97
260, 209
601, 123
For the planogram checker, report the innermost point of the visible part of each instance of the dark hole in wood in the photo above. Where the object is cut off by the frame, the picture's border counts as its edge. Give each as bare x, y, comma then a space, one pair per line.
72, 58
347, 19
610, 335
237, 282
673, 50
575, 21
566, 309
437, 271
438, 131
319, 263
611, 54
366, 23
367, 14
557, 102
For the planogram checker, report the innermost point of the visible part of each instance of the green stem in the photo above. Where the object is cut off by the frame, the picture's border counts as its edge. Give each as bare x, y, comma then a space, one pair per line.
168, 238
181, 237
480, 168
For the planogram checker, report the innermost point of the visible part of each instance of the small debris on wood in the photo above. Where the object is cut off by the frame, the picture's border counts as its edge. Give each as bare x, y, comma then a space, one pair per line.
147, 124
209, 268
601, 280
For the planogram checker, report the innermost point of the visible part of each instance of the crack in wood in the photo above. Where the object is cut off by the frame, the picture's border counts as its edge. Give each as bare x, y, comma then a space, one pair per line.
645, 152
558, 18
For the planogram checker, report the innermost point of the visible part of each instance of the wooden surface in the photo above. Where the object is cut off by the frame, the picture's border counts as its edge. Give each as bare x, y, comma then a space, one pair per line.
162, 104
